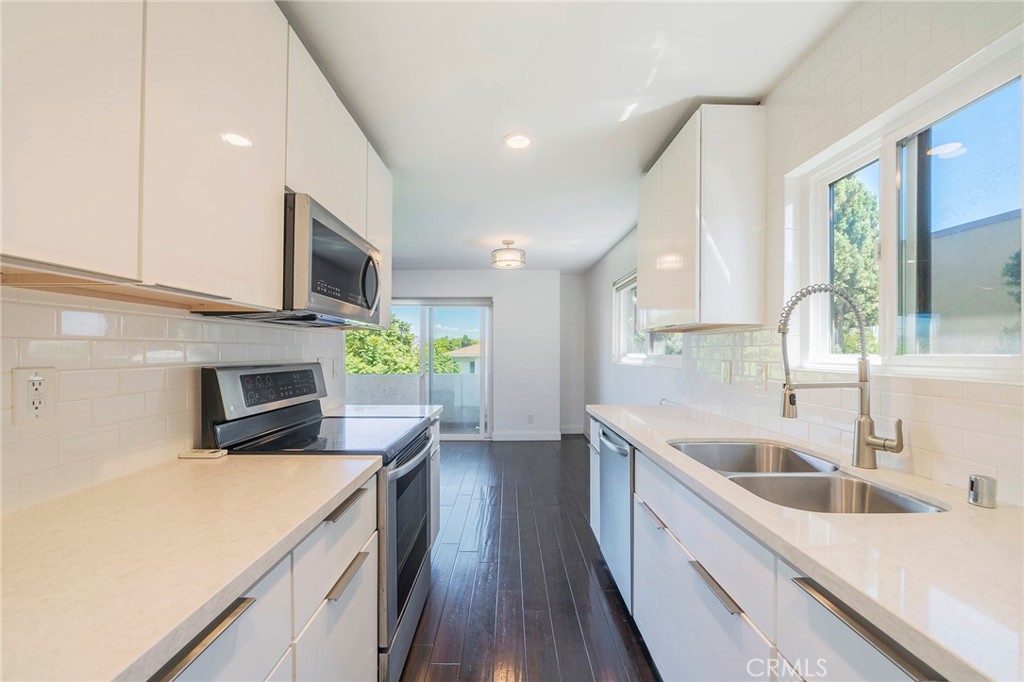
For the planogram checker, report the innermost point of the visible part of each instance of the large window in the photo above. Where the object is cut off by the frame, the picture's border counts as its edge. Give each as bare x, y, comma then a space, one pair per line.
921, 224
631, 343
960, 231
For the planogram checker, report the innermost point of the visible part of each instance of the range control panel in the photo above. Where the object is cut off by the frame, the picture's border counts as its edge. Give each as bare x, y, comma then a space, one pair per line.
267, 387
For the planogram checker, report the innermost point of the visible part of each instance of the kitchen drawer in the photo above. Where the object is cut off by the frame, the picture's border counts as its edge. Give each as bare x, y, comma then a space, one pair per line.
690, 633
741, 565
340, 641
251, 646
809, 635
324, 554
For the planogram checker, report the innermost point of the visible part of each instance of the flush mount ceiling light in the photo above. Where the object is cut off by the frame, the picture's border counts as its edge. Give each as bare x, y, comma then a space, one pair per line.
516, 140
950, 150
508, 258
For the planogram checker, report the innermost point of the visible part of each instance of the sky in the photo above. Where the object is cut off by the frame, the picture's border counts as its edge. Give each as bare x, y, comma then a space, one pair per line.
454, 321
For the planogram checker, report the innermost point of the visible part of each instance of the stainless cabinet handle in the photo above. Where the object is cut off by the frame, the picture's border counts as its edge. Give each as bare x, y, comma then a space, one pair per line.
612, 446
346, 505
202, 641
658, 523
188, 292
347, 576
910, 664
728, 602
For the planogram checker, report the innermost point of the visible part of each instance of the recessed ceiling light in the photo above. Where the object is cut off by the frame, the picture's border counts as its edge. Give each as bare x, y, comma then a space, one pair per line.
236, 140
516, 140
944, 149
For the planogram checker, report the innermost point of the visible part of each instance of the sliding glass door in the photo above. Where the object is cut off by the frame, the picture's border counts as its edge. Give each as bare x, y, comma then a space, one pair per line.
437, 352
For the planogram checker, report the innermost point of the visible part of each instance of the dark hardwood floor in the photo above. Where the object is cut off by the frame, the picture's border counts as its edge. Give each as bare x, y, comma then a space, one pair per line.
520, 591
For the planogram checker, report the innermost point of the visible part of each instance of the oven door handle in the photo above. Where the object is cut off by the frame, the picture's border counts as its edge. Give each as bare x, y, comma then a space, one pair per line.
412, 463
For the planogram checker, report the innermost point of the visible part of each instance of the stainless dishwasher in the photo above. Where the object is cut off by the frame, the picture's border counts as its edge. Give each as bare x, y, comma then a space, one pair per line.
617, 510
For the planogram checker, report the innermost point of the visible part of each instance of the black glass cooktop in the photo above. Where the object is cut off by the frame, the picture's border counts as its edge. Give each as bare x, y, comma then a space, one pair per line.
381, 436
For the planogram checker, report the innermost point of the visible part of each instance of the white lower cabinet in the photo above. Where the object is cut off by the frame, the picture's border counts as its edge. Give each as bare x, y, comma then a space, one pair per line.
595, 491
340, 640
820, 644
689, 632
251, 646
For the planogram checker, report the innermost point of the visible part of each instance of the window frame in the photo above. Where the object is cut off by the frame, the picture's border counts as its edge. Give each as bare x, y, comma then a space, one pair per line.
647, 358
880, 141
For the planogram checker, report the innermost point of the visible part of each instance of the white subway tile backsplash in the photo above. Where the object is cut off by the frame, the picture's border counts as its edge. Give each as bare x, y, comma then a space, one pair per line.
127, 384
143, 379
24, 320
966, 414
28, 456
86, 444
79, 385
60, 353
165, 402
87, 323
117, 408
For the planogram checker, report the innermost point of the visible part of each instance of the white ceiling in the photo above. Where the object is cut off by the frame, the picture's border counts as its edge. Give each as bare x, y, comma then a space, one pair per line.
436, 86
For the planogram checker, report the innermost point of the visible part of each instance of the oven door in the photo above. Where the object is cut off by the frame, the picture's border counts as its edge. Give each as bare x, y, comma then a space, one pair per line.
405, 539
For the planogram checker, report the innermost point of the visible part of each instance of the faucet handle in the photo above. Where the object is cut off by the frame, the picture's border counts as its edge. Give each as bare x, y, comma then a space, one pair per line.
896, 444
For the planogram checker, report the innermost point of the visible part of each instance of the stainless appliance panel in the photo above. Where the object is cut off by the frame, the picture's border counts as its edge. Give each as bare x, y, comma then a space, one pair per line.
616, 457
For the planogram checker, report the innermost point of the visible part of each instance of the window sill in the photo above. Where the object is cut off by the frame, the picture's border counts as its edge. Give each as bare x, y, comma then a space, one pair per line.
670, 361
1009, 372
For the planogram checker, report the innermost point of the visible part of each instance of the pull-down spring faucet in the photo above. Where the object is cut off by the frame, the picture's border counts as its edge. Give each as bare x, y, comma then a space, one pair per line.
865, 442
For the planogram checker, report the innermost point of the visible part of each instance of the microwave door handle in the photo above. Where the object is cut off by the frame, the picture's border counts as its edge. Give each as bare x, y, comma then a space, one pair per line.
370, 305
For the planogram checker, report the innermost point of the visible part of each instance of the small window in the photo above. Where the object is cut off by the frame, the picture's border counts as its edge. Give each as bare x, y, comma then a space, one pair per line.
632, 344
960, 231
853, 235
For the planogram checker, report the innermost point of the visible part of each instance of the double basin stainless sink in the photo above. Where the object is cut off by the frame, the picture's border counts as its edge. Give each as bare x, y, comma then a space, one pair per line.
795, 479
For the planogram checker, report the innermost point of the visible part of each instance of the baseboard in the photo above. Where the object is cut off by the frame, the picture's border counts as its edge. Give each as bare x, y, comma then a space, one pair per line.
526, 435
572, 428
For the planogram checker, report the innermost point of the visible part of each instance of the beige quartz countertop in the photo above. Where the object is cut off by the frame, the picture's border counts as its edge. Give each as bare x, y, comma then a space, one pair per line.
948, 586
112, 581
426, 411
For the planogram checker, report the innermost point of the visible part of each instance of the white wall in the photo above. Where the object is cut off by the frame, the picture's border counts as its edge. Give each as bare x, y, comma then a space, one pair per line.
127, 384
878, 54
573, 350
607, 381
526, 350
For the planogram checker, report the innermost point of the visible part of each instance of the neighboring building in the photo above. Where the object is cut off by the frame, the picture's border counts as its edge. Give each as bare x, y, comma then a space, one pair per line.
468, 358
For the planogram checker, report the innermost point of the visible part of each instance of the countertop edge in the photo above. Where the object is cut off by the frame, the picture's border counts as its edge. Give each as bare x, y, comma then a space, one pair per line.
171, 643
905, 633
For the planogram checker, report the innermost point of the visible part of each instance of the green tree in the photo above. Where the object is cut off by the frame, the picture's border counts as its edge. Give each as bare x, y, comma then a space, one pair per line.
392, 351
1011, 275
854, 233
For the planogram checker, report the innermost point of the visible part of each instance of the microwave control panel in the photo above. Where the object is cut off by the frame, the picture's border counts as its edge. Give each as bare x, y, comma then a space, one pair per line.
267, 387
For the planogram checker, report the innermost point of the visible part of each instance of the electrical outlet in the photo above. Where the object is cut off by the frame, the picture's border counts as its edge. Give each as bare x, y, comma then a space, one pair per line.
726, 372
529, 419
34, 395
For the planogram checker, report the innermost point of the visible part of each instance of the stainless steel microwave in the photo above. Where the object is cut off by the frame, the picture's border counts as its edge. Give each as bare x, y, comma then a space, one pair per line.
331, 274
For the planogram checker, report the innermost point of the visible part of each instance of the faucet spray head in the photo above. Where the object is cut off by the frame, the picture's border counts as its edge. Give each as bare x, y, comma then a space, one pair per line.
788, 402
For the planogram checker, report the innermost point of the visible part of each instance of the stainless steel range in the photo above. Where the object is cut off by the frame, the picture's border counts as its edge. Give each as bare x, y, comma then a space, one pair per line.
275, 409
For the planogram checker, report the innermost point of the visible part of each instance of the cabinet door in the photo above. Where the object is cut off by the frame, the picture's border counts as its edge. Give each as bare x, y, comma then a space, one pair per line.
72, 93
251, 647
648, 246
821, 645
679, 263
284, 671
326, 149
379, 195
731, 213
688, 631
213, 169
340, 642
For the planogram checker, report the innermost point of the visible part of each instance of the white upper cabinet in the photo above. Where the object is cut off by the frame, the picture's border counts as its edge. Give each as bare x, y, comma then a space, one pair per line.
72, 92
701, 224
327, 152
379, 194
214, 149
